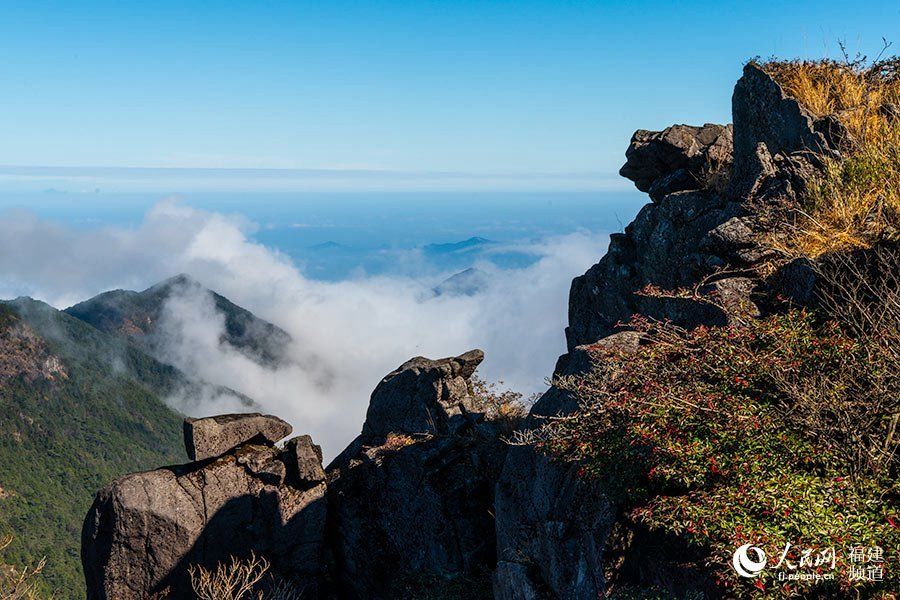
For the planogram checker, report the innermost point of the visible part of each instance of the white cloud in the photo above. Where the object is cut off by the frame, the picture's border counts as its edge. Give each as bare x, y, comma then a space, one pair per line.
347, 335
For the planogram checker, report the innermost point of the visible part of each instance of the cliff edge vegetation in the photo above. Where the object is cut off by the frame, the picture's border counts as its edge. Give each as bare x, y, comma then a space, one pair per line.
854, 200
779, 427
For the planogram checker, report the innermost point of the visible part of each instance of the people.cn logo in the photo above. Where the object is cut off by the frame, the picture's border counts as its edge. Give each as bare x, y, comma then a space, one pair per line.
747, 565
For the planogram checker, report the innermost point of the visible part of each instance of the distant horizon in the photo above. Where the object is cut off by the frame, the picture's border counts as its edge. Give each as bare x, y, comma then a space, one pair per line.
92, 179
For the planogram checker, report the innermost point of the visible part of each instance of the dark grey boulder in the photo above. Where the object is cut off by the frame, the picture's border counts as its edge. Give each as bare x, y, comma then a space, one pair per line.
677, 158
553, 525
764, 114
552, 530
144, 530
736, 241
213, 436
304, 460
423, 396
413, 494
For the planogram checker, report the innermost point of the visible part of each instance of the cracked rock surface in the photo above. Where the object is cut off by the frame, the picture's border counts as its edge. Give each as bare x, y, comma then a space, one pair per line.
413, 494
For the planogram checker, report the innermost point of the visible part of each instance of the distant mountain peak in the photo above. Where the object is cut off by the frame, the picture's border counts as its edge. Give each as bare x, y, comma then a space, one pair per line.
465, 283
178, 280
467, 244
329, 245
135, 316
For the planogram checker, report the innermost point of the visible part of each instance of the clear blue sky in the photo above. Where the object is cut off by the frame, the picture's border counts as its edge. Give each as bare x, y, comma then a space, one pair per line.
476, 87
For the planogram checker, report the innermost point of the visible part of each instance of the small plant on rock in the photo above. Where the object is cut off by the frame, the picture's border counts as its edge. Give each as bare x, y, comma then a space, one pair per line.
503, 406
247, 579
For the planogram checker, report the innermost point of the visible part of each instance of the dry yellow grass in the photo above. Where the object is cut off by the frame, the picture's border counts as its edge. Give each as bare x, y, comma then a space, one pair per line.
18, 584
853, 92
397, 441
240, 580
856, 199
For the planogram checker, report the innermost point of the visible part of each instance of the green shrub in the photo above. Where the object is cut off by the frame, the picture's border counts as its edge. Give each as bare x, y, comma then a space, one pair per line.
768, 432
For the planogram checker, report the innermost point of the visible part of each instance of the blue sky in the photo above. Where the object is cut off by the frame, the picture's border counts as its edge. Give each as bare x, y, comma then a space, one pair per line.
502, 88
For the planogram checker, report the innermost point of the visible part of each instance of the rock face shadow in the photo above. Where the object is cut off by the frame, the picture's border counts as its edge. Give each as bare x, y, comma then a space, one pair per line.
145, 530
247, 525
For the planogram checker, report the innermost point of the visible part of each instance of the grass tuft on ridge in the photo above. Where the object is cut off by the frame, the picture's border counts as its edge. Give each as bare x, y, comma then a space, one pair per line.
855, 200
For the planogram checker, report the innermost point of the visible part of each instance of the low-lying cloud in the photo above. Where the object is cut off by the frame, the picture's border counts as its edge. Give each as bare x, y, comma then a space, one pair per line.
346, 335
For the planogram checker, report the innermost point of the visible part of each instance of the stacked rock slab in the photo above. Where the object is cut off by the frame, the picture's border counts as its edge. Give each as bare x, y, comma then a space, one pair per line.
214, 436
413, 494
553, 528
144, 530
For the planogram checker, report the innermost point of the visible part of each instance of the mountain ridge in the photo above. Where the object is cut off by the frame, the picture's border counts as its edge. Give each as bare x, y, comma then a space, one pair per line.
135, 315
84, 395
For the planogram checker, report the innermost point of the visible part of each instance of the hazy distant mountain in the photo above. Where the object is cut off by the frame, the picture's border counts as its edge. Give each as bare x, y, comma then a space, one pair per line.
465, 283
78, 407
463, 246
135, 316
329, 245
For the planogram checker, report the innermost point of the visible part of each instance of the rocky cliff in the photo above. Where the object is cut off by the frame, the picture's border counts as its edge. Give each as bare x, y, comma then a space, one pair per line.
711, 189
410, 498
431, 490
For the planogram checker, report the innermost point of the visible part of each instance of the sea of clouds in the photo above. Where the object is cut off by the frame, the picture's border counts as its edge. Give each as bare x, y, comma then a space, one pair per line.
346, 335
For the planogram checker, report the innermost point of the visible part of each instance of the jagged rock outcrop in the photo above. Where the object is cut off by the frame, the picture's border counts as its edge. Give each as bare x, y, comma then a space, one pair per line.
413, 494
764, 114
691, 236
145, 529
672, 244
688, 233
777, 142
678, 158
304, 460
423, 396
692, 243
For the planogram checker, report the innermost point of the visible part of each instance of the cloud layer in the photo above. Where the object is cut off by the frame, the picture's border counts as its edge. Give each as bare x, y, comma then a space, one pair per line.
347, 335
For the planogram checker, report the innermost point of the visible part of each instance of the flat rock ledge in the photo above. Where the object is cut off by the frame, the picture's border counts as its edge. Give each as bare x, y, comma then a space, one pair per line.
214, 436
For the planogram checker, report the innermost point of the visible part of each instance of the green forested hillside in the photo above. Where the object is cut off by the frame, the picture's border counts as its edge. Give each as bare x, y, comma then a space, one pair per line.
135, 316
78, 407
